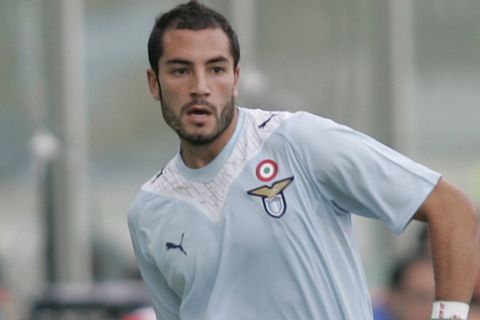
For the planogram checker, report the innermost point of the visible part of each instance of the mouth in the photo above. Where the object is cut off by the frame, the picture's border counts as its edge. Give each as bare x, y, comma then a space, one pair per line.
198, 111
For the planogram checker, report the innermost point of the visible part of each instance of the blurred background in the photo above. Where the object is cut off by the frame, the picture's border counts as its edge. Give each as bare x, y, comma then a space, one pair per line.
79, 132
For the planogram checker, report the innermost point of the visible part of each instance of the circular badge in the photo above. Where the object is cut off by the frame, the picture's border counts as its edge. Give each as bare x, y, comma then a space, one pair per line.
267, 170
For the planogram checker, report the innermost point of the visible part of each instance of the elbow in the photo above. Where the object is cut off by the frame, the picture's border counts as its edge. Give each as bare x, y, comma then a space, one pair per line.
450, 209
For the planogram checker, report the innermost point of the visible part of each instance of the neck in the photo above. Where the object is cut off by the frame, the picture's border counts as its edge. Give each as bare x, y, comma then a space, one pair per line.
198, 156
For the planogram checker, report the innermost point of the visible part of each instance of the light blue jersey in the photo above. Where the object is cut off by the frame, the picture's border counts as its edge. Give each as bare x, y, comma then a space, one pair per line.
264, 231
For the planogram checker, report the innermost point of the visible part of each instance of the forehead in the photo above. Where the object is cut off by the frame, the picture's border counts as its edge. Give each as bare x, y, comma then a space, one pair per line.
195, 45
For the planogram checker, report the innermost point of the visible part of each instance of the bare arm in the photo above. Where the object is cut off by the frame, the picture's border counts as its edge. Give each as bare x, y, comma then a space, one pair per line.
453, 225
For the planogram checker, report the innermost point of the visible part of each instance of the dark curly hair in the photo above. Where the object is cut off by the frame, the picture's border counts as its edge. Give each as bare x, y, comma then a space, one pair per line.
191, 16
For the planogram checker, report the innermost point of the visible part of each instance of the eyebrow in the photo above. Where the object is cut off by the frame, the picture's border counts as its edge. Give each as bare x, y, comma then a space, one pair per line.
218, 59
178, 61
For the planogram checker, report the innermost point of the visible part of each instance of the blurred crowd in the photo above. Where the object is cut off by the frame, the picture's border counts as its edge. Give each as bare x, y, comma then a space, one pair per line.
411, 288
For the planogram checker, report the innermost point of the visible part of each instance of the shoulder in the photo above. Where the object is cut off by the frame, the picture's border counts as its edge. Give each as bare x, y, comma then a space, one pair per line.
296, 129
151, 198
304, 123
317, 140
144, 207
300, 122
165, 182
304, 129
264, 123
265, 120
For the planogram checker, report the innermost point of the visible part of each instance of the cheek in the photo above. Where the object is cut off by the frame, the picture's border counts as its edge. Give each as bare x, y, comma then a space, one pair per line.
170, 93
170, 86
235, 91
229, 88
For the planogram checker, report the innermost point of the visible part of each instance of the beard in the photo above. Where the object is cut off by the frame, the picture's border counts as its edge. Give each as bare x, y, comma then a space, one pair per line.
222, 121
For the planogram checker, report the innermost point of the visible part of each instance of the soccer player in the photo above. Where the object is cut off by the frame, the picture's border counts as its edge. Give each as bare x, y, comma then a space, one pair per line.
252, 218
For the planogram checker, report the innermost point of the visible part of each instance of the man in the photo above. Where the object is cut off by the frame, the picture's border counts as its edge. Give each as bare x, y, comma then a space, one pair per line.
412, 289
252, 218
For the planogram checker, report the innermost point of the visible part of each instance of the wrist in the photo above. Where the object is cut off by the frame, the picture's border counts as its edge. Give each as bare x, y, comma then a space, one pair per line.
453, 310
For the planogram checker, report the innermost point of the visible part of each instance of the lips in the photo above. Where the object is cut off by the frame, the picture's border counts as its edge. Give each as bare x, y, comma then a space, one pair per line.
198, 110
198, 114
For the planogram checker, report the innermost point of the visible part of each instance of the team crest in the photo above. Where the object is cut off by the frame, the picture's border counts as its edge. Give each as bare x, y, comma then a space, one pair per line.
272, 197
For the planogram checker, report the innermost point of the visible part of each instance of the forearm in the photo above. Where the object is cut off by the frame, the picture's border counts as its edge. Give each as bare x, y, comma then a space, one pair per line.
454, 249
453, 226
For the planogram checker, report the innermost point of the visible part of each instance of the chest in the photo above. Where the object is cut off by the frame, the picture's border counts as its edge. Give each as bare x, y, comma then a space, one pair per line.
218, 231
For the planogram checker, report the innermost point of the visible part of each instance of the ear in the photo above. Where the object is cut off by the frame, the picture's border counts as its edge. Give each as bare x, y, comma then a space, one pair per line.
153, 84
236, 83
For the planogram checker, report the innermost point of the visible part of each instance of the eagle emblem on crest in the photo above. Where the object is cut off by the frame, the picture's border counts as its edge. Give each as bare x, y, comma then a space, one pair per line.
272, 196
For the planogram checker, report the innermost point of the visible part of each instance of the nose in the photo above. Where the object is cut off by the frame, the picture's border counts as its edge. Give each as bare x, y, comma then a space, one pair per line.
200, 86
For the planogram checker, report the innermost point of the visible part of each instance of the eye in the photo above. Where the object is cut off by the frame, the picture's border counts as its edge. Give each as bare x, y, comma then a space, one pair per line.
217, 69
179, 71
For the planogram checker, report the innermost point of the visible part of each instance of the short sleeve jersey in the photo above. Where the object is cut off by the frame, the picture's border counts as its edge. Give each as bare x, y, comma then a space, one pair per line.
264, 231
